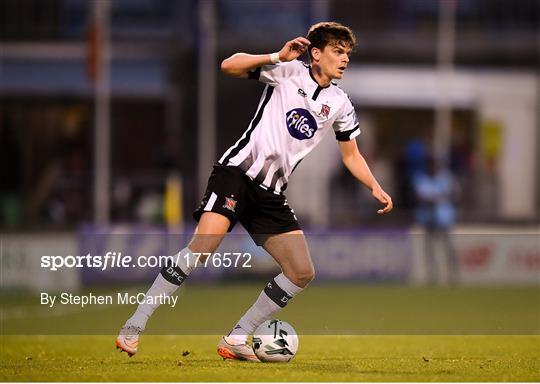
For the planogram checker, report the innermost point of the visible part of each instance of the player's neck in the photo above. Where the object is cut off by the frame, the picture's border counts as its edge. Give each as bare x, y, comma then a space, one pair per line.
319, 76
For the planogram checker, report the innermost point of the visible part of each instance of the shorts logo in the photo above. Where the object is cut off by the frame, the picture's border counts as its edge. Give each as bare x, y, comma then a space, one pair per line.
230, 203
301, 124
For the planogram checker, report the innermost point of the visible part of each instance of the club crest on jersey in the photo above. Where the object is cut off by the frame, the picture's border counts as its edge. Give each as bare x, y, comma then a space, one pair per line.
300, 123
230, 203
325, 111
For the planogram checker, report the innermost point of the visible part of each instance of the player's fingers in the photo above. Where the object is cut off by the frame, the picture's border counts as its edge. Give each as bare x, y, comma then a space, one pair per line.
387, 208
303, 40
293, 46
381, 197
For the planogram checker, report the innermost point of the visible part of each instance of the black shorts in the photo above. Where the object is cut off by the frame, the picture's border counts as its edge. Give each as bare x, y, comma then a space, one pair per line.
231, 193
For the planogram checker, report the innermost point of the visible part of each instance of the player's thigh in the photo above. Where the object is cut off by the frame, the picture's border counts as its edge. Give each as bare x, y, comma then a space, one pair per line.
291, 252
209, 233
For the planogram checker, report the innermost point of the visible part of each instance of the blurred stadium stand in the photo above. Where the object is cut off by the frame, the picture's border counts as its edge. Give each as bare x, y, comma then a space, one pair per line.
46, 103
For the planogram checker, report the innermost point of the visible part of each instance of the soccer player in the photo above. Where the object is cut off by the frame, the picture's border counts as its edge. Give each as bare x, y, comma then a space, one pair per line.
299, 105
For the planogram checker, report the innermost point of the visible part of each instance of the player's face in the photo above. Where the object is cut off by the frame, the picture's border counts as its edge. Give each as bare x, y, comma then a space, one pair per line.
334, 60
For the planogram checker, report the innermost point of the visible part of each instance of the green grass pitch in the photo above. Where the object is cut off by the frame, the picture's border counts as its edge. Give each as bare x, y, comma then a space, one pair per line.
320, 358
409, 334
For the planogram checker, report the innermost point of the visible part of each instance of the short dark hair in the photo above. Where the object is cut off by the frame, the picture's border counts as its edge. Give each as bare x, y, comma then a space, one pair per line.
329, 32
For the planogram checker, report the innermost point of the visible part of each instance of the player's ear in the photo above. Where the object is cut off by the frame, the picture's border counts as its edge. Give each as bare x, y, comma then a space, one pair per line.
315, 53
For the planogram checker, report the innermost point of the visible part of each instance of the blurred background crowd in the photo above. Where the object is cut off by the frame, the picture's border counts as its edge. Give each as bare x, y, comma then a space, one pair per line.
167, 112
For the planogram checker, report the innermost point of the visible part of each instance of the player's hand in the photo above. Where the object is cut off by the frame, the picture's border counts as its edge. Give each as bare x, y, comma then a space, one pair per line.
294, 48
384, 198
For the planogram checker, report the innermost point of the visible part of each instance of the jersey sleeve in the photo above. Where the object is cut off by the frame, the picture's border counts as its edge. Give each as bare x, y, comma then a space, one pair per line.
346, 126
273, 74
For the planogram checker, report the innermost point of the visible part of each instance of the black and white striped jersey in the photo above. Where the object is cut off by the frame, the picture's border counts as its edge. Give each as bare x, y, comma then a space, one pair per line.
293, 116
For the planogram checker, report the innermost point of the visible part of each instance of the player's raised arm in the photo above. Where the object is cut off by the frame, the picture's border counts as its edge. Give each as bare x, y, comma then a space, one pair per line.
239, 64
357, 165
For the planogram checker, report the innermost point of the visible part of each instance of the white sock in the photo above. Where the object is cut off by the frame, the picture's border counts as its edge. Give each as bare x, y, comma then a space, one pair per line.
275, 296
163, 286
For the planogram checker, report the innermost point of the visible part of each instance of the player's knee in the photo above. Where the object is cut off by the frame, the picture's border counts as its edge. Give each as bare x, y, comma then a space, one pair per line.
203, 250
304, 277
203, 244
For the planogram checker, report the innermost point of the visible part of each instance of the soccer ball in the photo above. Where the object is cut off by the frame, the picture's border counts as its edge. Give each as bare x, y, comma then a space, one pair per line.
275, 341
